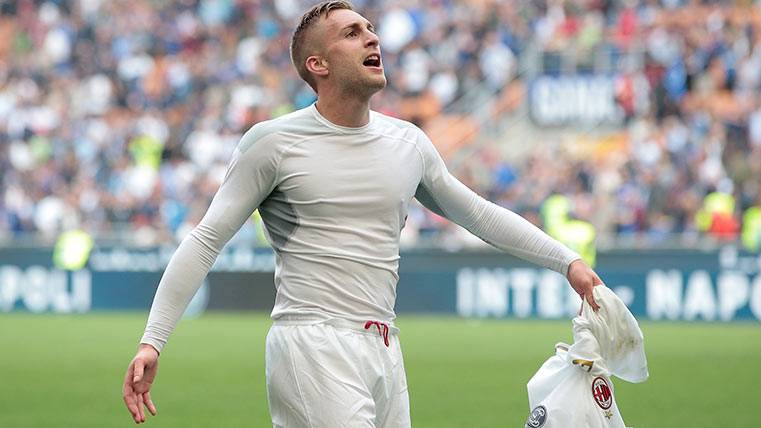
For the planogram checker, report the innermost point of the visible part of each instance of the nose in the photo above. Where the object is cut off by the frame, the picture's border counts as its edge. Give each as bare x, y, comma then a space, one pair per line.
372, 40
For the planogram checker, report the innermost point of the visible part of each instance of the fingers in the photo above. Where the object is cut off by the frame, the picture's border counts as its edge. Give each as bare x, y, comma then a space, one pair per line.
138, 373
137, 384
583, 279
597, 280
128, 393
149, 403
589, 294
128, 377
134, 401
591, 300
140, 410
131, 402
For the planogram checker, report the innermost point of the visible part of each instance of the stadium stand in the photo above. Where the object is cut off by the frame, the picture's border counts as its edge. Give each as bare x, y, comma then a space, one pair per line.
119, 117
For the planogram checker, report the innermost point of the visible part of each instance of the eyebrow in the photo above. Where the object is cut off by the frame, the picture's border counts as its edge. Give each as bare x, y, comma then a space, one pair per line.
358, 24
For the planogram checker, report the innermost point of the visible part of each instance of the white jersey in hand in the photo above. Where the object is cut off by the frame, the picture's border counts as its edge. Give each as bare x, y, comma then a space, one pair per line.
573, 388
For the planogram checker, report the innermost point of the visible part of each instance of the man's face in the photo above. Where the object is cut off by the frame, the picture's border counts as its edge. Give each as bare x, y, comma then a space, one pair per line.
352, 51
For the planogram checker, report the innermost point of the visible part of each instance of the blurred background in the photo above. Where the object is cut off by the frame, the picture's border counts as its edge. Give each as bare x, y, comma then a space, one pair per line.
628, 129
120, 117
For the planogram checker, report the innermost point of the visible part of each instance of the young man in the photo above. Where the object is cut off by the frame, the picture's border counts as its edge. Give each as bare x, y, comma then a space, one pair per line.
333, 182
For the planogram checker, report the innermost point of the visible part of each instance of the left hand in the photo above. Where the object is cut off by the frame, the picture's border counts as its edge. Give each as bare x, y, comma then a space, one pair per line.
138, 380
583, 279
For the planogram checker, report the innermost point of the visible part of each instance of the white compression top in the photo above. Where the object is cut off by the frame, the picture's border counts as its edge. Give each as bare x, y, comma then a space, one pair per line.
334, 200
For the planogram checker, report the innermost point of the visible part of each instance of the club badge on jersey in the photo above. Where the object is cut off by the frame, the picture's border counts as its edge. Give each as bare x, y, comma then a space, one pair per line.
573, 388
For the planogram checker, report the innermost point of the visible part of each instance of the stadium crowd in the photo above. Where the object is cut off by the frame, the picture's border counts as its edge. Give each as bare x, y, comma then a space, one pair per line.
119, 117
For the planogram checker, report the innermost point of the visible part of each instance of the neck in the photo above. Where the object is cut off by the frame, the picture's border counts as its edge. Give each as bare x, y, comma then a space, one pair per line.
341, 110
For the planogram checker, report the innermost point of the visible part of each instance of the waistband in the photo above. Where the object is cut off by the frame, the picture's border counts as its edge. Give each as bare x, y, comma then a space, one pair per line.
360, 326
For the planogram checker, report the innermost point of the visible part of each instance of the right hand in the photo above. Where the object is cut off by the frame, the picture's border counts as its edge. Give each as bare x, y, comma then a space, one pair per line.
137, 382
583, 279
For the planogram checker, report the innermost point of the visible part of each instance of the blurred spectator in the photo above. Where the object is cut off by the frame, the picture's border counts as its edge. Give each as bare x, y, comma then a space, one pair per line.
120, 117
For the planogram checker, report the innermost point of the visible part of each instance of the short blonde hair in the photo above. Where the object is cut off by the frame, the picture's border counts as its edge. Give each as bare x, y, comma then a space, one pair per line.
299, 52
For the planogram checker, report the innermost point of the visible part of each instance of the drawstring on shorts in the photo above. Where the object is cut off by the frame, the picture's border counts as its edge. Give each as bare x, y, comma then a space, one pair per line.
382, 329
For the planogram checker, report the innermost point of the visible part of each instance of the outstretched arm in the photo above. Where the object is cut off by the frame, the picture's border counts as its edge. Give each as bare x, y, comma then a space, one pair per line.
442, 193
250, 177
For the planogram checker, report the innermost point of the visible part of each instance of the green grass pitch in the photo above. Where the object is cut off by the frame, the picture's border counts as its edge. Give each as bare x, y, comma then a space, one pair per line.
66, 371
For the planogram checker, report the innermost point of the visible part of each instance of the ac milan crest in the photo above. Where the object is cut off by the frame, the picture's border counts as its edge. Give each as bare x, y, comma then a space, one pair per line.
537, 418
601, 393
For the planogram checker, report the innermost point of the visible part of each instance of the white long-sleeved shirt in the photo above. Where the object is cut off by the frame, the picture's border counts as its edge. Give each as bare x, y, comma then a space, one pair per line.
334, 200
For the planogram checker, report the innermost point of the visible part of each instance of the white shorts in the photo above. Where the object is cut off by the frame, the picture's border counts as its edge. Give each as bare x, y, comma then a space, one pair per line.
336, 374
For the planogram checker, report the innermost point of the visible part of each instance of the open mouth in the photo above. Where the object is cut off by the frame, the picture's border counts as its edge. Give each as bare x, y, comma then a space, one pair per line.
372, 61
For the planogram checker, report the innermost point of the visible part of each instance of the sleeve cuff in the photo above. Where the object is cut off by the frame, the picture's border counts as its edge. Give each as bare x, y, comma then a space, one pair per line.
572, 257
155, 343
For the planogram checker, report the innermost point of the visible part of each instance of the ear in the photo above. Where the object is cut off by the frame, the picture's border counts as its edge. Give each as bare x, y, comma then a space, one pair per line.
317, 65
